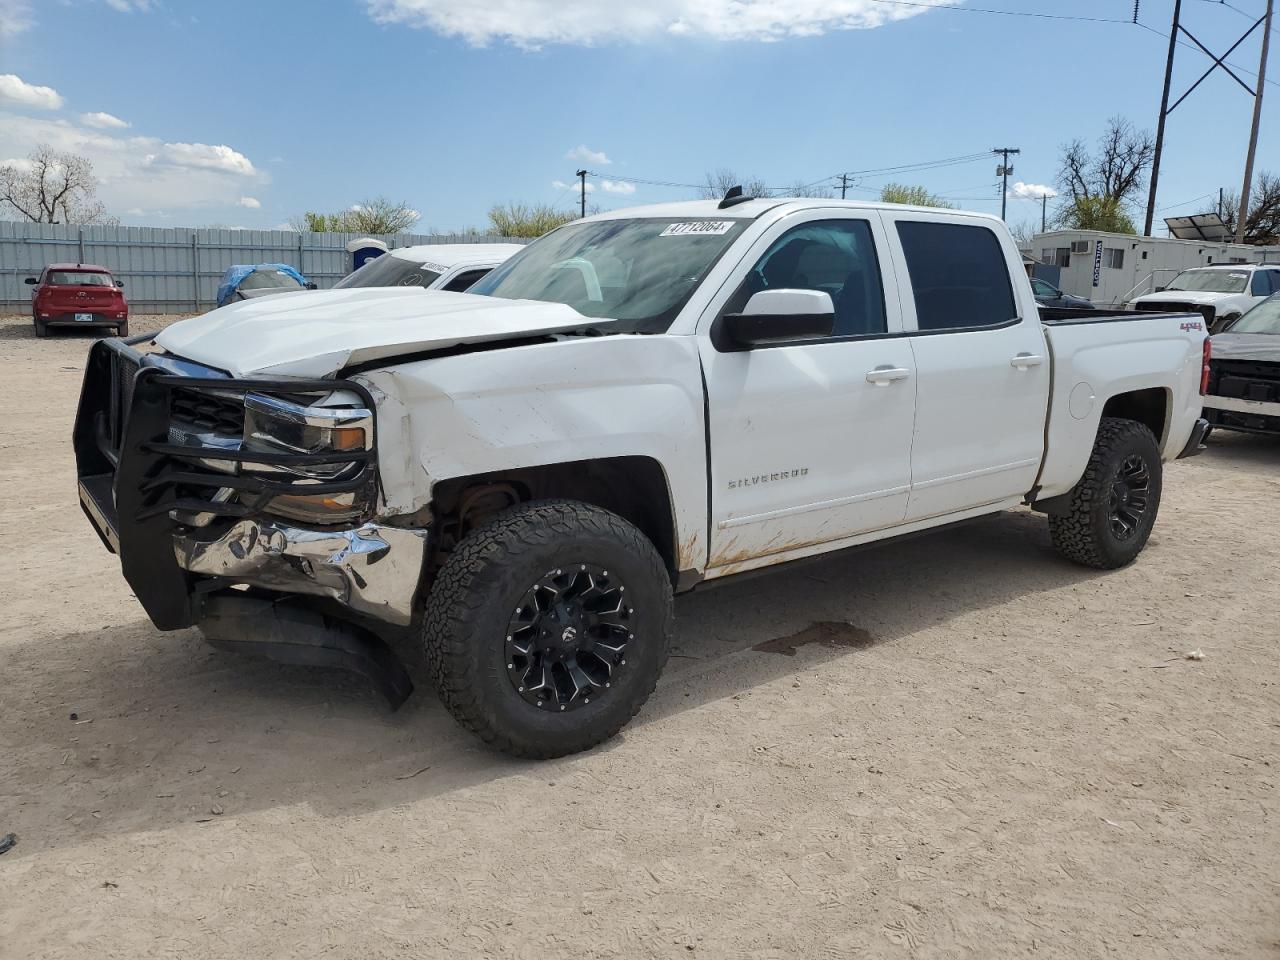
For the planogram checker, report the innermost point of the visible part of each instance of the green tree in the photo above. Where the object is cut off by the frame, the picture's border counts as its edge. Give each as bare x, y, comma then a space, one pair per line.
527, 220
1095, 213
378, 215
914, 196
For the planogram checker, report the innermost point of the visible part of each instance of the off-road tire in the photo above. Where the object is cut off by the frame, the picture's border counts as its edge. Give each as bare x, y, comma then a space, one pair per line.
1084, 534
476, 591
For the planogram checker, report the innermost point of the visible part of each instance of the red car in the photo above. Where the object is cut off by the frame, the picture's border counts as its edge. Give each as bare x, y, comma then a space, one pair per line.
78, 295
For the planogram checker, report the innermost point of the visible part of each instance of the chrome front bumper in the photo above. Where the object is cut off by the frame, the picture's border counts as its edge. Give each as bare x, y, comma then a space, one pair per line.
372, 569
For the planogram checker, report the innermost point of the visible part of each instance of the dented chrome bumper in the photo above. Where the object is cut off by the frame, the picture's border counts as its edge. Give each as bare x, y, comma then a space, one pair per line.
371, 569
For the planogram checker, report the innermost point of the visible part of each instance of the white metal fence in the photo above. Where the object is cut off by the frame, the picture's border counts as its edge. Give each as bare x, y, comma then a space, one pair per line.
175, 269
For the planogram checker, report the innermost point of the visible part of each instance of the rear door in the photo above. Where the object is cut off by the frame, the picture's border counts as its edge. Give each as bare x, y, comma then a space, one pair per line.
811, 441
982, 370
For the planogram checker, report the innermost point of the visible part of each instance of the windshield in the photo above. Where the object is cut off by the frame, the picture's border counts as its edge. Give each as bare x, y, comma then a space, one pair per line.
389, 270
78, 278
269, 280
1210, 281
640, 272
1264, 318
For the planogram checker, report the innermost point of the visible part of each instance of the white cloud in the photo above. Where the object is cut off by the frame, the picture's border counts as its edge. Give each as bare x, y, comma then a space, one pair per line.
532, 23
576, 185
15, 90
252, 203
129, 6
203, 156
1031, 191
617, 186
103, 121
584, 154
15, 17
137, 172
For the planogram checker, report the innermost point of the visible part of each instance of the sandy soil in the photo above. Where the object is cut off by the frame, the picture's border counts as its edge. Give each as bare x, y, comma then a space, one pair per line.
955, 746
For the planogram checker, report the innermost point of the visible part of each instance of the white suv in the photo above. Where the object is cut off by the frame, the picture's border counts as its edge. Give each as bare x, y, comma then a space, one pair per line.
1222, 292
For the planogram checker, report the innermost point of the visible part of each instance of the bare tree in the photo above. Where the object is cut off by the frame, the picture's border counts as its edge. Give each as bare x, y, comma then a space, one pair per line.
52, 187
1115, 173
1262, 226
807, 191
717, 184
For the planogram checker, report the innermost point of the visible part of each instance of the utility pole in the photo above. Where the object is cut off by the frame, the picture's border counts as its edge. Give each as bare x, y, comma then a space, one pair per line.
1164, 114
582, 190
844, 185
1257, 118
1003, 170
1044, 212
1221, 203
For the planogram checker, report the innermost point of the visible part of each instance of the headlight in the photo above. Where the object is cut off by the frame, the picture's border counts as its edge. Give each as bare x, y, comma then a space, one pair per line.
275, 425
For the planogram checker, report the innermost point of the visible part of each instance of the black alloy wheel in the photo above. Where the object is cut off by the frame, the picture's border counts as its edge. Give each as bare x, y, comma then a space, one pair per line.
1130, 493
567, 639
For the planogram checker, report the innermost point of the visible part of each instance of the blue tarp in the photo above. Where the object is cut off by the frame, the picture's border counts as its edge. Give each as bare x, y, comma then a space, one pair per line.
236, 273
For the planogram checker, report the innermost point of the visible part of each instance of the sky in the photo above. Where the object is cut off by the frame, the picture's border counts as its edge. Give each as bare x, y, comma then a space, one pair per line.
245, 113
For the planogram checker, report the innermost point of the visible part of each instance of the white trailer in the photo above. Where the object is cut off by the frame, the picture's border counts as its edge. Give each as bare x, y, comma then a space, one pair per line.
1112, 268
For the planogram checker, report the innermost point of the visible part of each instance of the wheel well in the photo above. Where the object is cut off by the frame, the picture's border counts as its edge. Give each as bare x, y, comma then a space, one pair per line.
1149, 407
635, 488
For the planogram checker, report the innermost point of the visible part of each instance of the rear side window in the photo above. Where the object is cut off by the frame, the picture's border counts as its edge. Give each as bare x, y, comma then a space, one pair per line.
958, 276
1263, 283
464, 280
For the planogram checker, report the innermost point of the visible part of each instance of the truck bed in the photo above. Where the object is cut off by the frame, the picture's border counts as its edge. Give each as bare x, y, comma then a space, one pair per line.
1098, 354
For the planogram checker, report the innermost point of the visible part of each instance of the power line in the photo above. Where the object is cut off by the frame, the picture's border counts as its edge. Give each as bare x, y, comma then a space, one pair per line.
920, 4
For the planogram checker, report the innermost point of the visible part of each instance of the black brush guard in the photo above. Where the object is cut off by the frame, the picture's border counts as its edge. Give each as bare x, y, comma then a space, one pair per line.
131, 476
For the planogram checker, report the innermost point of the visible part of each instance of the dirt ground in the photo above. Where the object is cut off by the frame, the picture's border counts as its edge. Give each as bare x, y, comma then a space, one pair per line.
954, 746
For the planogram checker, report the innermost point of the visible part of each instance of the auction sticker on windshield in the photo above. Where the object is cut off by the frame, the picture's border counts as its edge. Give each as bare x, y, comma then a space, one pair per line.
698, 228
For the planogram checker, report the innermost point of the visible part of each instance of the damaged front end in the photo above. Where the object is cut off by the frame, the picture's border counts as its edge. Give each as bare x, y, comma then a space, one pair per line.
235, 505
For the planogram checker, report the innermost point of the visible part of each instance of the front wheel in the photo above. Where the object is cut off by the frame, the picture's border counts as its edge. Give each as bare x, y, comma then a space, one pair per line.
547, 627
1113, 507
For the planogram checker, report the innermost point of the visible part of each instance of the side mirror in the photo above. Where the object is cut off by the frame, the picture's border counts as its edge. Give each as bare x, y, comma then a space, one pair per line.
1160, 289
30, 281
311, 286
777, 316
120, 284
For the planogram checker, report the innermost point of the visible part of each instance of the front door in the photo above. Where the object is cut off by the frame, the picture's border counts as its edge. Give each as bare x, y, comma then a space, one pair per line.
811, 442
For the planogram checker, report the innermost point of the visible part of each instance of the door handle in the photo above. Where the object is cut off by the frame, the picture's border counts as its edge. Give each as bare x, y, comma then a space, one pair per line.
1025, 360
883, 376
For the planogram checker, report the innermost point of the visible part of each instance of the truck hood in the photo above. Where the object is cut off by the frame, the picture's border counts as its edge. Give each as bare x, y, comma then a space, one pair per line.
317, 333
1184, 296
1259, 347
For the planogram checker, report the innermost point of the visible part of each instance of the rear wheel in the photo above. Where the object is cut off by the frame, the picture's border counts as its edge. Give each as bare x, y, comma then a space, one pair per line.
547, 627
1114, 506
41, 329
122, 330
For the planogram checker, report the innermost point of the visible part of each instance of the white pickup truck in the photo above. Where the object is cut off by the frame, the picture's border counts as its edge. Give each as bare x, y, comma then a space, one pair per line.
636, 403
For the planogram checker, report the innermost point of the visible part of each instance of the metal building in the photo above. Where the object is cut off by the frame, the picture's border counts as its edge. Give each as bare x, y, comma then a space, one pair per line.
1112, 268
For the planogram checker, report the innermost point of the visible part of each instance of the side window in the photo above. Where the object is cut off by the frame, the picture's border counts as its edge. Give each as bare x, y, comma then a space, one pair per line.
958, 276
464, 280
1262, 284
834, 256
1041, 288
